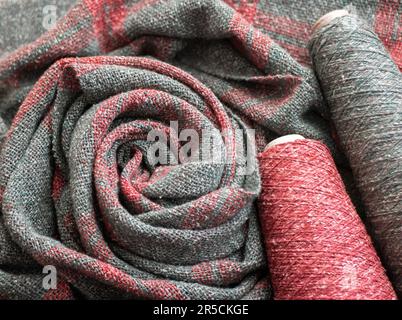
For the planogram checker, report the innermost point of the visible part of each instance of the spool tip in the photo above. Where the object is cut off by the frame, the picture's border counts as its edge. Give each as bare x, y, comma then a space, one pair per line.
284, 139
327, 18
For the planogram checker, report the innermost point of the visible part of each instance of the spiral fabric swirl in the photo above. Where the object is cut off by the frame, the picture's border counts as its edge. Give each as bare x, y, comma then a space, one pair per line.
166, 222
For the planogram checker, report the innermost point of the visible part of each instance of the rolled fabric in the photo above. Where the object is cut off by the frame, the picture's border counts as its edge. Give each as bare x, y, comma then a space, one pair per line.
363, 88
84, 199
317, 246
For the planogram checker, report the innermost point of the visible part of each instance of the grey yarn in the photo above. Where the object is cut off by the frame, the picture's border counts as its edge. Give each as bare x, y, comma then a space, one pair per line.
363, 88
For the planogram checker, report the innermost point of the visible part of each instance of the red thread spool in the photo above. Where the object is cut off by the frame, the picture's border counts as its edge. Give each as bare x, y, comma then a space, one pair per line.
316, 244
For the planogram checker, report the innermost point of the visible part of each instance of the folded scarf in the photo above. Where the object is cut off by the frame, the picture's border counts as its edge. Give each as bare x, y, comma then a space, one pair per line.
76, 189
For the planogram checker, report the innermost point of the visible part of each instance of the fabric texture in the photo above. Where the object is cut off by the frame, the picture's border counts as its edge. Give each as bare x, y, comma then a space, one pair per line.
77, 103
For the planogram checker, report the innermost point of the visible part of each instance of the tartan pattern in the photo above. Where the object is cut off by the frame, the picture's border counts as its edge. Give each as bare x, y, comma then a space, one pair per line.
290, 23
75, 190
70, 133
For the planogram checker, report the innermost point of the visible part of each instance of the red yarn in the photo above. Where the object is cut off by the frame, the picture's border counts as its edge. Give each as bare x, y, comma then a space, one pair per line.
316, 244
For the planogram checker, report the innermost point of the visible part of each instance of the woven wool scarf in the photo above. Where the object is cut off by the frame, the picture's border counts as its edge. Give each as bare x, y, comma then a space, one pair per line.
76, 190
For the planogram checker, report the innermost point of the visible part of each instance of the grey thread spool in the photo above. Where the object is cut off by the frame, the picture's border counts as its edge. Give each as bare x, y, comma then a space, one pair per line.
363, 89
